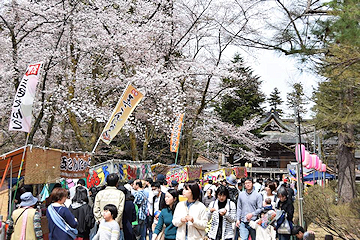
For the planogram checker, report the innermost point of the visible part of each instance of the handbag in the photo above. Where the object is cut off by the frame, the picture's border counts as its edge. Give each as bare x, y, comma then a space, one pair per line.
61, 223
286, 226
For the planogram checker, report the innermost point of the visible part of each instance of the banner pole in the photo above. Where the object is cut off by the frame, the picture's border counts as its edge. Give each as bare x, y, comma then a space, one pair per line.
97, 143
20, 169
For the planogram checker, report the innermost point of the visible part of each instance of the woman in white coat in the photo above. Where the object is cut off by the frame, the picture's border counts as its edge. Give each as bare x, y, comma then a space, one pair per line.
190, 217
222, 213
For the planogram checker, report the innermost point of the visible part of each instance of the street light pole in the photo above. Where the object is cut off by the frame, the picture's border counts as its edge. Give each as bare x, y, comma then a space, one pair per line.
299, 168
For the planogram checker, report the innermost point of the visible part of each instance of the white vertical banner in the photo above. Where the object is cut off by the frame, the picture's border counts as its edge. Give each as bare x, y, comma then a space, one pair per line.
21, 114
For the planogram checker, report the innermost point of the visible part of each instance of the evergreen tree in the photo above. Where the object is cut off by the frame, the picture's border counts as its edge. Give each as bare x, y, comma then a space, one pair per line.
275, 101
297, 98
338, 98
245, 100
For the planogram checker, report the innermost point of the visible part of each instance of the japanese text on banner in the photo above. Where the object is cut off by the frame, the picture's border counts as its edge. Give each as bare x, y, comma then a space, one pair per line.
176, 132
126, 105
21, 114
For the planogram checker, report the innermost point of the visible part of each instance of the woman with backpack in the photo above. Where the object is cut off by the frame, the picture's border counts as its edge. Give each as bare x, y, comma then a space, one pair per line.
222, 213
82, 211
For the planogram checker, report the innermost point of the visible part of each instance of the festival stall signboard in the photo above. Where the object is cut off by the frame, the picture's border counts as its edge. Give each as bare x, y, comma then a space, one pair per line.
184, 174
74, 165
46, 165
177, 174
214, 175
240, 172
160, 168
125, 169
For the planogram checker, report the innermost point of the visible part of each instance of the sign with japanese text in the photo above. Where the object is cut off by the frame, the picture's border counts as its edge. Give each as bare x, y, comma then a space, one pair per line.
176, 133
21, 113
126, 170
183, 174
126, 105
73, 165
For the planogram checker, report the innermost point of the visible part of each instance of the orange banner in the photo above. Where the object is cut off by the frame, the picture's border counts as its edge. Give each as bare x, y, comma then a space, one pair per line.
176, 132
126, 105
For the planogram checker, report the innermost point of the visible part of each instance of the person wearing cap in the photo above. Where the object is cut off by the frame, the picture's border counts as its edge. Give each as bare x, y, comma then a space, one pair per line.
174, 184
27, 221
161, 179
249, 206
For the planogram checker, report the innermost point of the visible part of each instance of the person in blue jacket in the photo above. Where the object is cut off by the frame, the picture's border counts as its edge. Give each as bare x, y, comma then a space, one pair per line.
166, 216
55, 212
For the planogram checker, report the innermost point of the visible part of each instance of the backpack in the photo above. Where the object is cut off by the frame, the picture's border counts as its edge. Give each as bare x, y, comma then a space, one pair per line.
233, 194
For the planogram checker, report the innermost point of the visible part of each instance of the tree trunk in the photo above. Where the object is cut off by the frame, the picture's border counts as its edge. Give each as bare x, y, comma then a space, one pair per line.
49, 131
346, 165
149, 133
134, 152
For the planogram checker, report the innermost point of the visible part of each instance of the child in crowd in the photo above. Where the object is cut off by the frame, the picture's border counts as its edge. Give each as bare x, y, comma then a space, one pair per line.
109, 229
267, 206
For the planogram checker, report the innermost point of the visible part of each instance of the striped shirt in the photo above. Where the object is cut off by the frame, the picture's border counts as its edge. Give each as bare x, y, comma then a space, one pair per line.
108, 231
141, 201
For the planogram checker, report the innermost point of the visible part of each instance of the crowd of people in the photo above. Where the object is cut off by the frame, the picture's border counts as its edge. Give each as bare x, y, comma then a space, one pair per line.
145, 209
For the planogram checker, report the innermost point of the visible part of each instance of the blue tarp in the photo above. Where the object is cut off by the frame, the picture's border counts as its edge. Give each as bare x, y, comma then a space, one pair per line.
310, 177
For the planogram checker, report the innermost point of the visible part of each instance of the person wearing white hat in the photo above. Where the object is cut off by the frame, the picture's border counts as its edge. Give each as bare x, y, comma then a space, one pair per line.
27, 222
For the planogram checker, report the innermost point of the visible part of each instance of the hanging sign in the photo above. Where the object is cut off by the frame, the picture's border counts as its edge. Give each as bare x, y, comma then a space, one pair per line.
176, 132
73, 165
126, 105
21, 113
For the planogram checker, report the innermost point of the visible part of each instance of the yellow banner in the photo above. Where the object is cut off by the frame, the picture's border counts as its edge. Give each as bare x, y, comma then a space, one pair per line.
176, 132
126, 105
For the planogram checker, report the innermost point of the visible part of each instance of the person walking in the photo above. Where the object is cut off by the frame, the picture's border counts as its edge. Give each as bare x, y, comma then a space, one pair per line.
190, 217
109, 195
27, 224
208, 198
62, 223
286, 204
166, 216
141, 201
249, 205
82, 211
129, 215
222, 213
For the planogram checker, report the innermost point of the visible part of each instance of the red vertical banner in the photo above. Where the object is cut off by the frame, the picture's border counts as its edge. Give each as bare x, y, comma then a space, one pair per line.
176, 132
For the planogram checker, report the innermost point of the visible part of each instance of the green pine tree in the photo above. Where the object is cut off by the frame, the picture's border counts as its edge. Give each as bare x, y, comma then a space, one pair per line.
275, 101
244, 102
338, 98
297, 98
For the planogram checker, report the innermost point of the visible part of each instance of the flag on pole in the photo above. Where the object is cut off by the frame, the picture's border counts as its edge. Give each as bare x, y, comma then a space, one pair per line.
176, 132
21, 114
126, 105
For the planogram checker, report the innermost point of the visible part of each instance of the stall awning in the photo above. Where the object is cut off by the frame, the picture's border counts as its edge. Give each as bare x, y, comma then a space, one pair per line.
15, 156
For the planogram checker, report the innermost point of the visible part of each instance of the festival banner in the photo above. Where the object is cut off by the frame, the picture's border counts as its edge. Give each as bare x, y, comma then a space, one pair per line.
74, 165
176, 132
126, 105
21, 114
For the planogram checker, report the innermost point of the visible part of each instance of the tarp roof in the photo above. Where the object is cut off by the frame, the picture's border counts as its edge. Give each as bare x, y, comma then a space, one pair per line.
310, 177
15, 156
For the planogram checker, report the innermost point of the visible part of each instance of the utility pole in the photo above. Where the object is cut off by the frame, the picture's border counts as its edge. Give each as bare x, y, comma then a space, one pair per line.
299, 167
